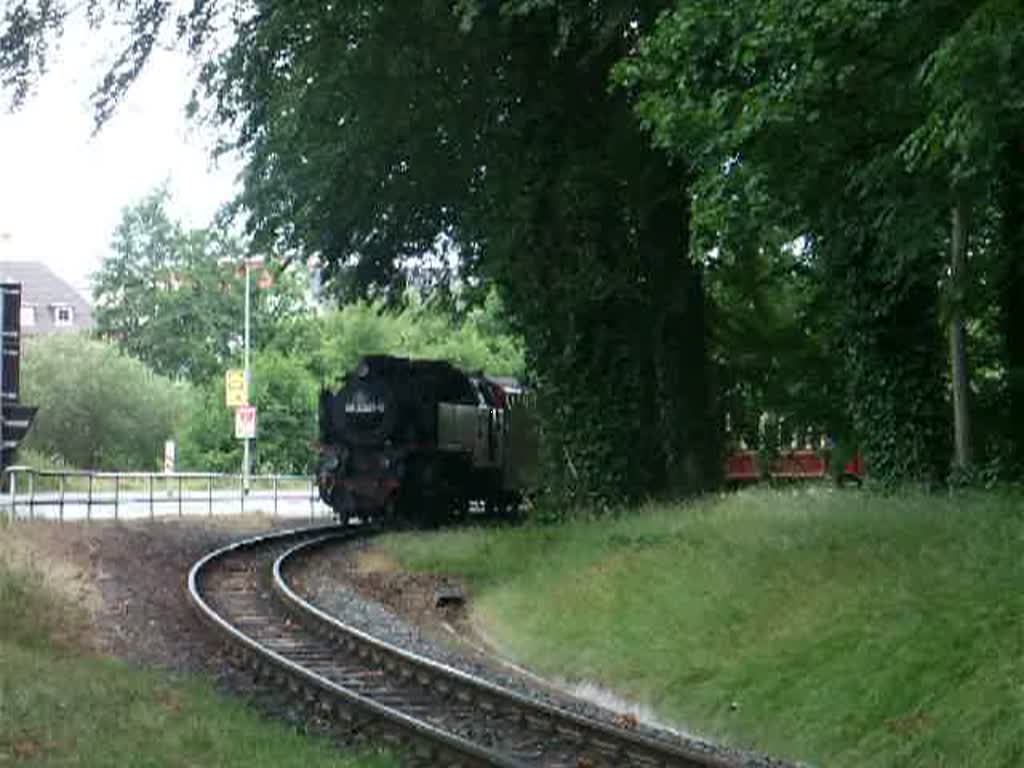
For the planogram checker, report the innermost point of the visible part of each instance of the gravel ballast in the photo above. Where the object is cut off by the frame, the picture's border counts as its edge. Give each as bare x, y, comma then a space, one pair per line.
357, 584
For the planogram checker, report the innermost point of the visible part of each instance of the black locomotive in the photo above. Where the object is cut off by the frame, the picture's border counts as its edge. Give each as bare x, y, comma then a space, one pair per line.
421, 440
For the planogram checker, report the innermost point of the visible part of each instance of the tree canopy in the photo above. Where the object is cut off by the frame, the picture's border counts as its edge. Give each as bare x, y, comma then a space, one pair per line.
377, 133
693, 210
858, 125
175, 299
98, 408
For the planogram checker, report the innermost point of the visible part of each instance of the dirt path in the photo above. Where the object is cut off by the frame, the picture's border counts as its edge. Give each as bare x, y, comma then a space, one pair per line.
130, 578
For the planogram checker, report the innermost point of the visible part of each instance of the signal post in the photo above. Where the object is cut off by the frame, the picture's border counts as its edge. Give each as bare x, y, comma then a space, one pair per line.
15, 419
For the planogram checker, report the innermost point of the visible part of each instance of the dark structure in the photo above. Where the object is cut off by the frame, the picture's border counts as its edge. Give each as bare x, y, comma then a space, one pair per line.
419, 440
15, 418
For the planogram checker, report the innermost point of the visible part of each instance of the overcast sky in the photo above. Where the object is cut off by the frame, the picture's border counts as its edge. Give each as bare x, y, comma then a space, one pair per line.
62, 189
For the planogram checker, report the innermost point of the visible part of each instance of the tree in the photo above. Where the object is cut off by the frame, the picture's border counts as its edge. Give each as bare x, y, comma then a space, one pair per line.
1009, 277
376, 131
98, 408
973, 120
26, 31
174, 299
475, 341
378, 134
866, 122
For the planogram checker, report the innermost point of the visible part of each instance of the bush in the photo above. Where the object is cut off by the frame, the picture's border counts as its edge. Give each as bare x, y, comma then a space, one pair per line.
284, 393
480, 341
98, 408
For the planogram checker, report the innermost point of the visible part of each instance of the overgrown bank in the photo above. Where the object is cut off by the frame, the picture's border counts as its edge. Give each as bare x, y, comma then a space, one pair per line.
62, 705
838, 628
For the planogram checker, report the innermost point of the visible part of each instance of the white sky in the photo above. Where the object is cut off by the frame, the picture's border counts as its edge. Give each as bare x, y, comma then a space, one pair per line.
62, 190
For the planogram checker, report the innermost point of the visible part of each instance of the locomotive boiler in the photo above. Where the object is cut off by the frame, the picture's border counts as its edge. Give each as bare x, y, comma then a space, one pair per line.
422, 440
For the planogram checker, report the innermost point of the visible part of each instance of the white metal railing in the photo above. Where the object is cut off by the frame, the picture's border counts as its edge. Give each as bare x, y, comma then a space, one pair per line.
87, 495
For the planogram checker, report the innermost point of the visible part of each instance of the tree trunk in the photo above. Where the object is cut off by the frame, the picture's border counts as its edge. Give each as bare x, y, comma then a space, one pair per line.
958, 340
1012, 289
678, 330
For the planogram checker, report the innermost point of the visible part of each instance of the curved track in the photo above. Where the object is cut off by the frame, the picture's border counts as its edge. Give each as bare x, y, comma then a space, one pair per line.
444, 716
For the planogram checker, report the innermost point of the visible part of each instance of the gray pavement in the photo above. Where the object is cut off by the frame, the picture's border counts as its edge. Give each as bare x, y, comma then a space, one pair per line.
137, 505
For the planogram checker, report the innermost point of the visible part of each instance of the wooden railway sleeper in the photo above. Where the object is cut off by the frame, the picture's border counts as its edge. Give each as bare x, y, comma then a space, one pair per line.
572, 733
487, 705
645, 760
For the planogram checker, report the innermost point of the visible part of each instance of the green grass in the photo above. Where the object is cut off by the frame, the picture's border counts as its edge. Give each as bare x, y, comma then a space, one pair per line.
60, 707
840, 628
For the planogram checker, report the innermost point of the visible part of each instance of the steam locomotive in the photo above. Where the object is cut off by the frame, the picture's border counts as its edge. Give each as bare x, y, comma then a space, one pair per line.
421, 441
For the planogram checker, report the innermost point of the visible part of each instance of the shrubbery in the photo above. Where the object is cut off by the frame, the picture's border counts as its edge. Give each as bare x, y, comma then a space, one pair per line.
98, 408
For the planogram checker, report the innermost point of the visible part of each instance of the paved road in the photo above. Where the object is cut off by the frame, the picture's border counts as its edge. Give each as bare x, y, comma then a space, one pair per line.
136, 505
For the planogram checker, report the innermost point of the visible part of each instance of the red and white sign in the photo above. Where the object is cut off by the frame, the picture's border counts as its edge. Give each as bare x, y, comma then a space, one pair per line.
245, 422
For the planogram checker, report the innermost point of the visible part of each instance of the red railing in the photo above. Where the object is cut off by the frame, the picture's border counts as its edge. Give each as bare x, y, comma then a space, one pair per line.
746, 466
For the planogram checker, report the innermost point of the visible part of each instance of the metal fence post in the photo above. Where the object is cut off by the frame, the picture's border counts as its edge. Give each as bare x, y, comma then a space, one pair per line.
241, 492
149, 482
88, 499
117, 496
179, 497
31, 492
14, 496
88, 513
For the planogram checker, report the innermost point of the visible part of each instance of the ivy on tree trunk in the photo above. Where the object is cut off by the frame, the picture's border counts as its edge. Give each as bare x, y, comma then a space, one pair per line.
1012, 290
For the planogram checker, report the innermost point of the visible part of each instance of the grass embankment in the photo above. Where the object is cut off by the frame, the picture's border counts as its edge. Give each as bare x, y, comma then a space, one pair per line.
60, 706
837, 628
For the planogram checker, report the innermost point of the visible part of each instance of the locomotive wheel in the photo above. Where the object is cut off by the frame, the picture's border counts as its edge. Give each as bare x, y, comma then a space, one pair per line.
427, 510
343, 504
512, 506
423, 498
436, 510
460, 506
492, 506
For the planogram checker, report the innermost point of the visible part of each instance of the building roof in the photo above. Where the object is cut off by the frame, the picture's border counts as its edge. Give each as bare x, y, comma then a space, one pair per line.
44, 290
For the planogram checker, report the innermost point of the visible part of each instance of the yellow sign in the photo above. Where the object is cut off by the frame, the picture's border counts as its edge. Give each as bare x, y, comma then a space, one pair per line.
236, 392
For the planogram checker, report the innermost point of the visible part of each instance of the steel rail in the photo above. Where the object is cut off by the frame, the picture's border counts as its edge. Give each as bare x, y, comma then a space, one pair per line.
428, 742
622, 746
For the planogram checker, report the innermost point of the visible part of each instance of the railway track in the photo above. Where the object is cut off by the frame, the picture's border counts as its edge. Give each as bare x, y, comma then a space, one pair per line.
443, 716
